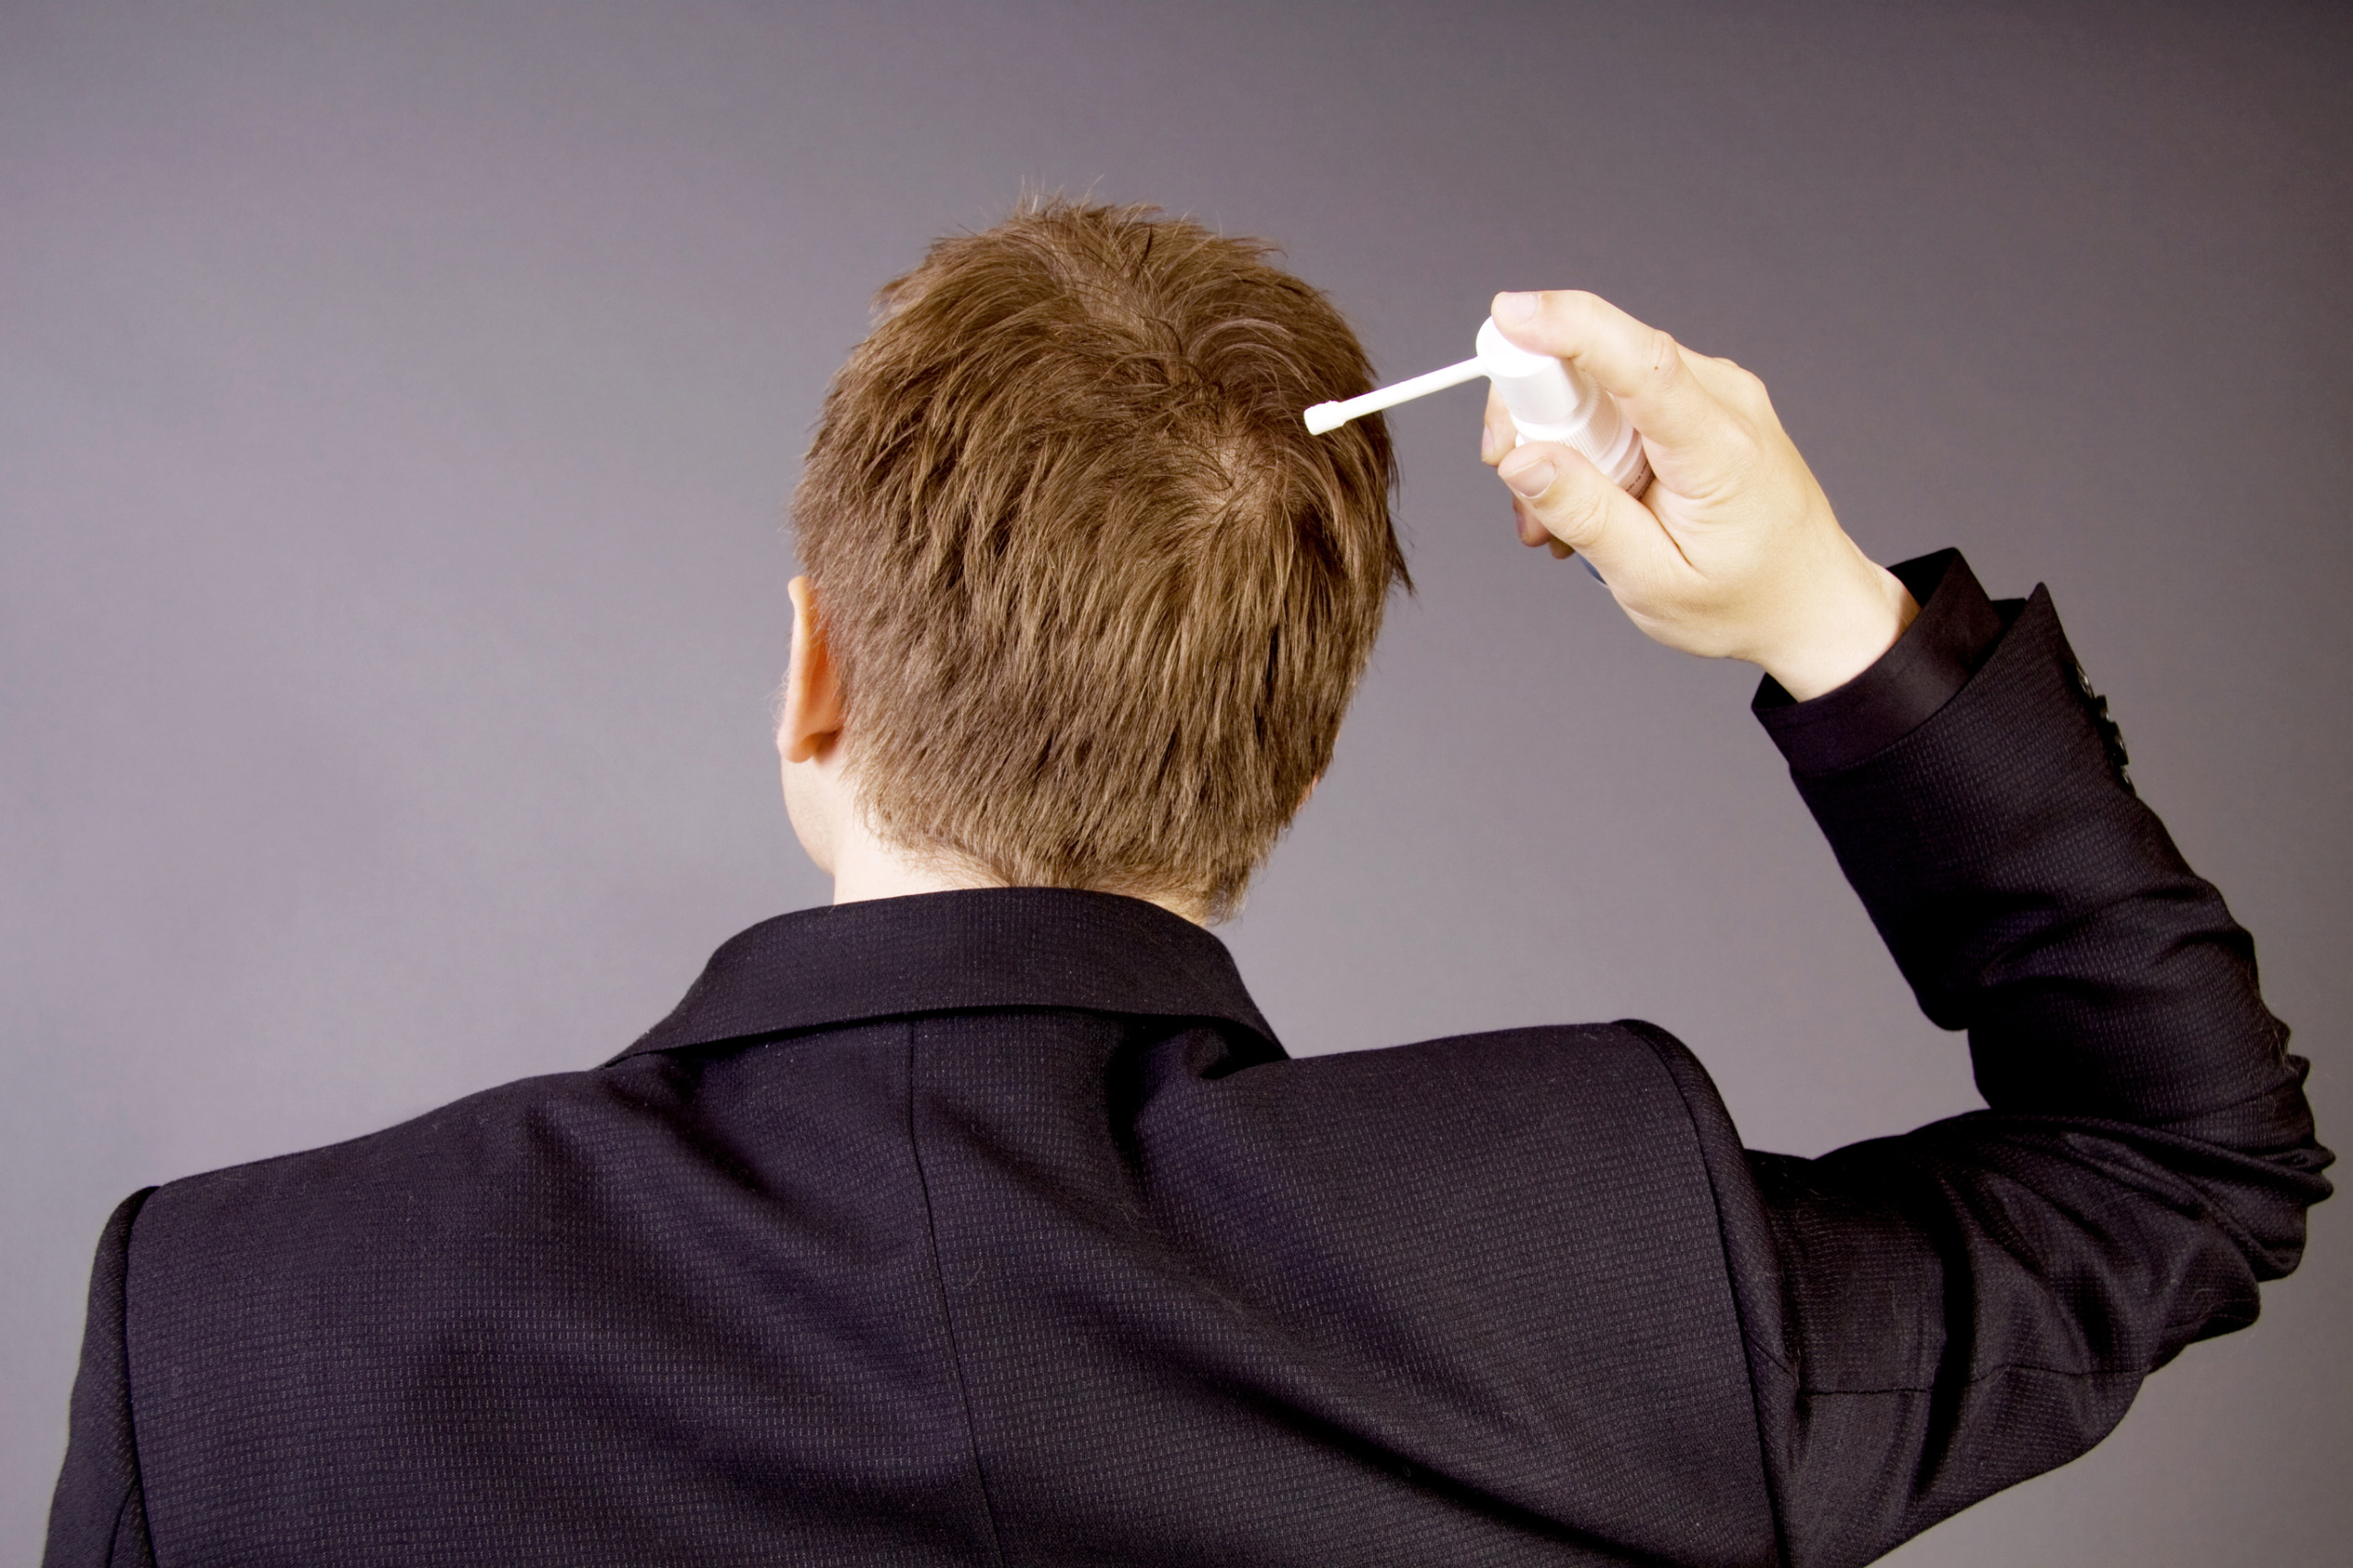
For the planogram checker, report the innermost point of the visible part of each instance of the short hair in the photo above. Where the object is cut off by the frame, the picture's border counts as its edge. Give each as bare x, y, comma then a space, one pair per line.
1096, 598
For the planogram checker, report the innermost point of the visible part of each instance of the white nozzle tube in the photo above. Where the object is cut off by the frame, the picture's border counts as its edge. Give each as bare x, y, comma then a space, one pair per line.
1327, 416
1548, 399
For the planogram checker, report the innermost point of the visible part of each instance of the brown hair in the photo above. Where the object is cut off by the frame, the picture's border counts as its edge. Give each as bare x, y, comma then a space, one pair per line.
1096, 598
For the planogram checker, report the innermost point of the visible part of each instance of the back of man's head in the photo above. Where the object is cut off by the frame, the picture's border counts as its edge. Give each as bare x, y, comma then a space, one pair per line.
1096, 599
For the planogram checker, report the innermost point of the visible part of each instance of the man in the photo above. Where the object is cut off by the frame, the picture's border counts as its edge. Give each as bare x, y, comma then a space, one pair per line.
980, 1219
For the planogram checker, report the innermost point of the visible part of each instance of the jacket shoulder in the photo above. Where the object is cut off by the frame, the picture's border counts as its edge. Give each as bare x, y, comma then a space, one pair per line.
454, 1168
1626, 1069
1526, 1230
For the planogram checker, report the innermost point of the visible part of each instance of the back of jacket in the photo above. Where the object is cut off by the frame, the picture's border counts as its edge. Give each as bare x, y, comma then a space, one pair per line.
1070, 1287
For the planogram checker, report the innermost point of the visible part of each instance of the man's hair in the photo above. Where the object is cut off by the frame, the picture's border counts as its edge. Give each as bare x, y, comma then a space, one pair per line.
1096, 598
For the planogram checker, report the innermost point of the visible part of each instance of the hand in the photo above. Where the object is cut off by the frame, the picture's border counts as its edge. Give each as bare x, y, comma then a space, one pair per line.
1733, 553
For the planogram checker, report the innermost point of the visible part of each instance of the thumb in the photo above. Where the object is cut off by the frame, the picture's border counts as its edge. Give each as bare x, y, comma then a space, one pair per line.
1576, 503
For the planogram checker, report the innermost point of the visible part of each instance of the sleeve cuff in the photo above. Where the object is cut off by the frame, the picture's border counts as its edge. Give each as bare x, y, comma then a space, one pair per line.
1951, 637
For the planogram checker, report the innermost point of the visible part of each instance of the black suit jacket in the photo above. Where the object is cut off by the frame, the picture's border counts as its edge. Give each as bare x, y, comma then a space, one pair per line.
995, 1227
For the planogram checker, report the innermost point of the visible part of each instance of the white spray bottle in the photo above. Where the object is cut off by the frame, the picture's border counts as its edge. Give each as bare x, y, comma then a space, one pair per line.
1548, 400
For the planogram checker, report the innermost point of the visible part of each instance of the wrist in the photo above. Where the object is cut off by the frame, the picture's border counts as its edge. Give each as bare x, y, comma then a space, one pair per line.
1842, 634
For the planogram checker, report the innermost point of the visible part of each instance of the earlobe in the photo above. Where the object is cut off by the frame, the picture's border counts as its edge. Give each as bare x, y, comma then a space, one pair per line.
813, 709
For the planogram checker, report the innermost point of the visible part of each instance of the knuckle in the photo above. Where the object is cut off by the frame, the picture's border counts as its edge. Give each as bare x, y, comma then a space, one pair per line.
1663, 358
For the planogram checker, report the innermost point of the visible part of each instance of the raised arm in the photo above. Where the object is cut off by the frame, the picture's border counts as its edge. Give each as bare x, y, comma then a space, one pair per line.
1934, 1316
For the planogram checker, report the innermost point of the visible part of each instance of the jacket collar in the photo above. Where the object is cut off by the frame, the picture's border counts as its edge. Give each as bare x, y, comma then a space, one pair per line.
945, 953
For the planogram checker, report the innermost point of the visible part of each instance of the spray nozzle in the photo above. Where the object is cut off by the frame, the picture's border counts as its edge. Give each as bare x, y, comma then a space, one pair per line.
1548, 400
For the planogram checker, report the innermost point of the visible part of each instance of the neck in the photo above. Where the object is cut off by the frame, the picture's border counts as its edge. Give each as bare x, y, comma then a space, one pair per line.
822, 804
864, 867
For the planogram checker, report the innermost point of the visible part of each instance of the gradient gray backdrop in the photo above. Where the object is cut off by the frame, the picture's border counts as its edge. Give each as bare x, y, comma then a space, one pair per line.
396, 405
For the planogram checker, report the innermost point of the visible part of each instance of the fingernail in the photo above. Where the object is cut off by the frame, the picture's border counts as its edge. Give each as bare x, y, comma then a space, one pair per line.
1532, 481
1486, 443
1515, 307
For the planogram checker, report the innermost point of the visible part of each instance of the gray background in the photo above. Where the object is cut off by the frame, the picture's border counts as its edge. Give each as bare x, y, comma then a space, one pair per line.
396, 404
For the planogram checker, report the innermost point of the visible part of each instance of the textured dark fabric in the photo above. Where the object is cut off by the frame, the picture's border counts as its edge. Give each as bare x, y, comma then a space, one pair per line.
2146, 1156
1952, 635
993, 1227
99, 1512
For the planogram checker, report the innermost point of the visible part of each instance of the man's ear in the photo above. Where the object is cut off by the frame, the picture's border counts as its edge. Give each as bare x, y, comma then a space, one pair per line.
813, 702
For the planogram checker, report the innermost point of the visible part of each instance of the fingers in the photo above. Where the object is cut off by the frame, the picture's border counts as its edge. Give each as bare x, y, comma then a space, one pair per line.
1574, 505
1495, 437
1532, 532
1642, 367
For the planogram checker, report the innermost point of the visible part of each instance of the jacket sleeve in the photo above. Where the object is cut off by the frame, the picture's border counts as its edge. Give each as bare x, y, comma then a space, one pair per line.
99, 1518
1936, 1316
